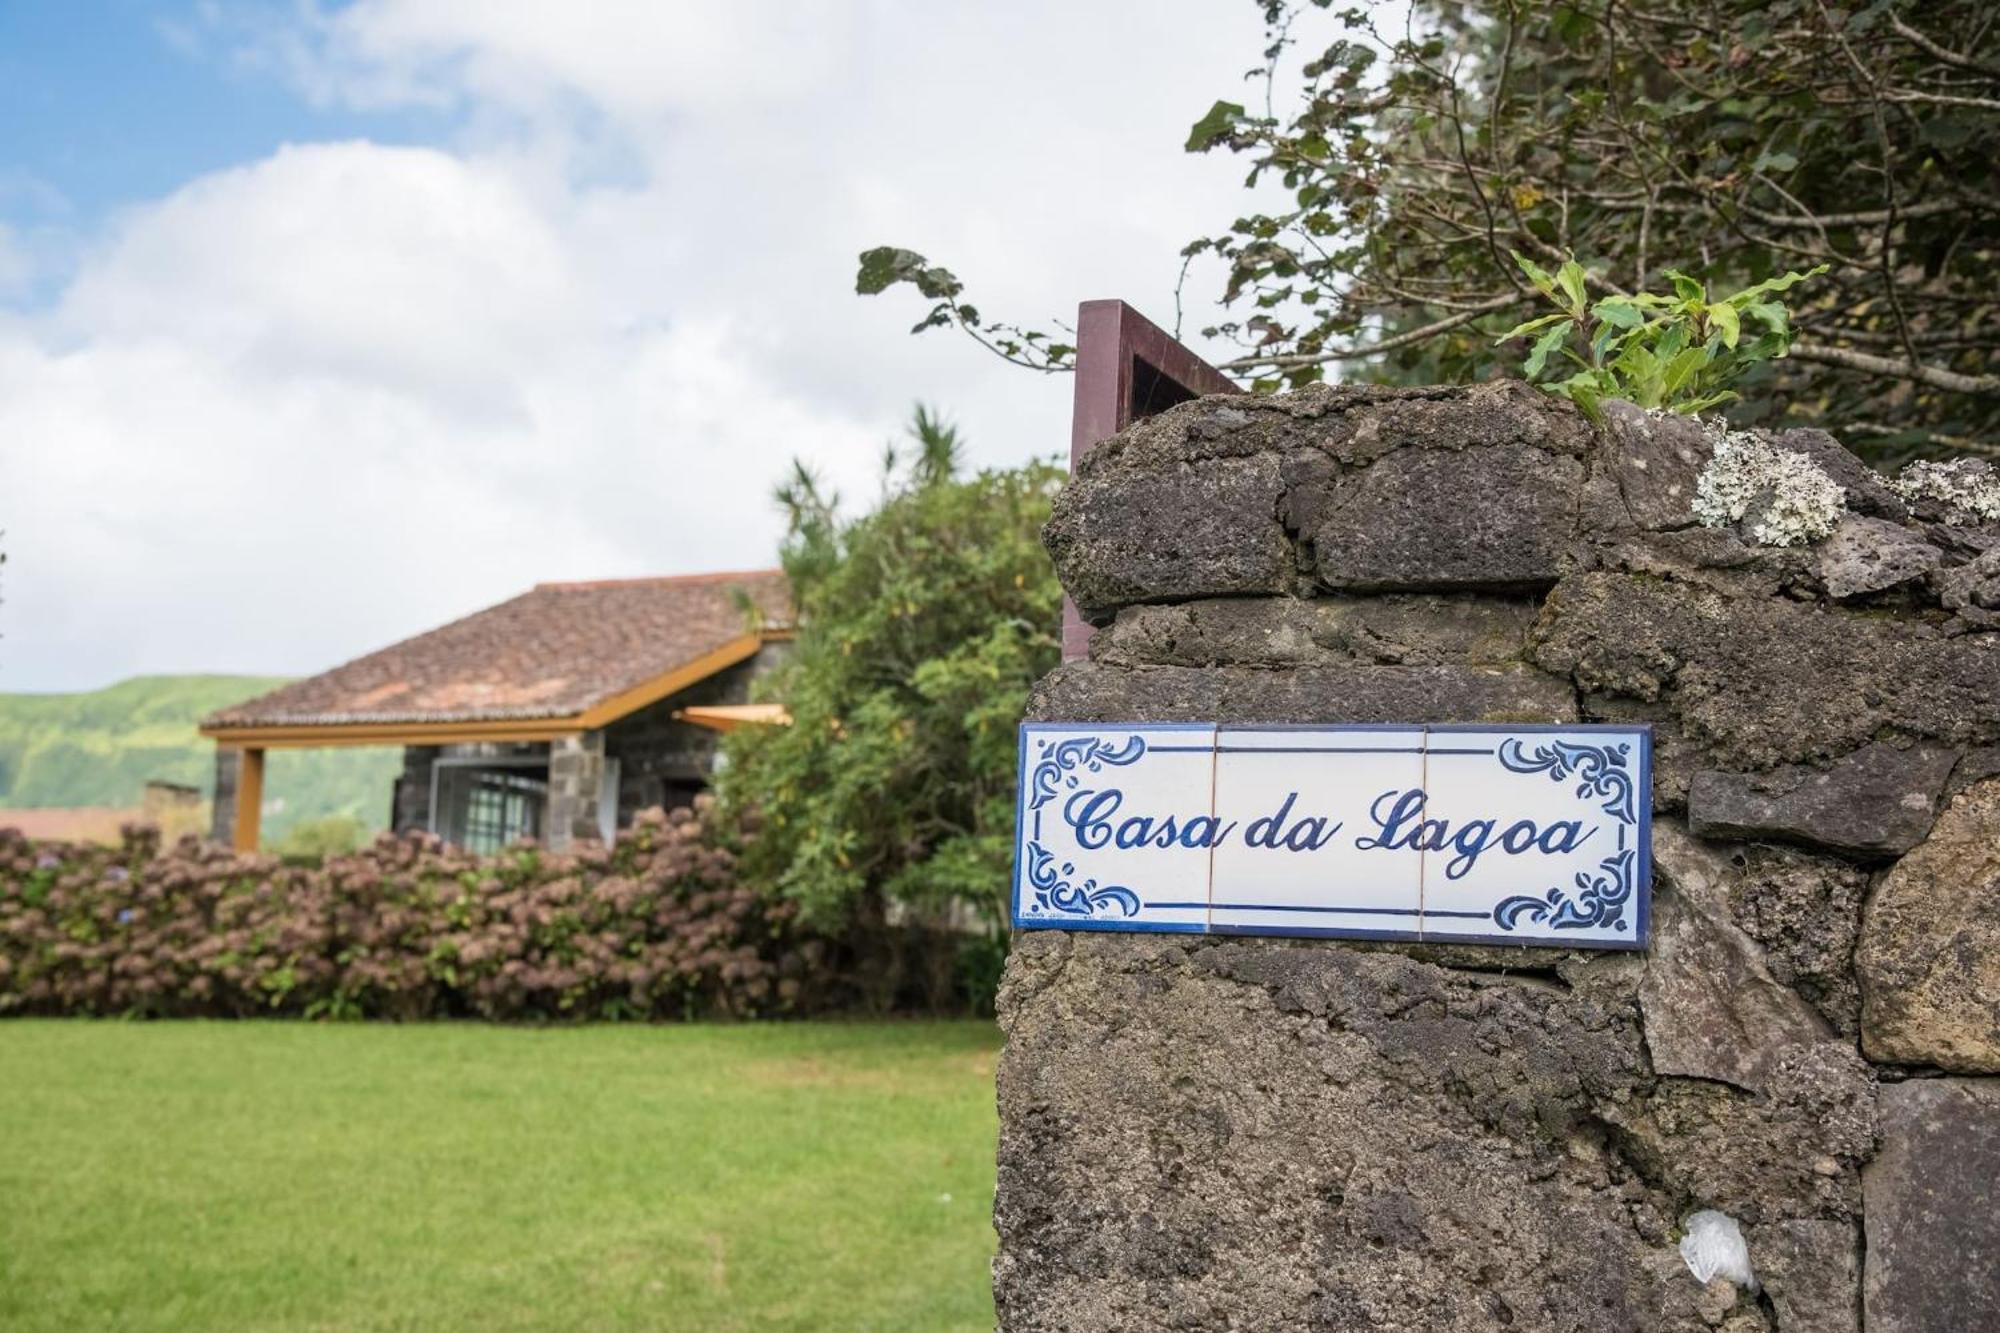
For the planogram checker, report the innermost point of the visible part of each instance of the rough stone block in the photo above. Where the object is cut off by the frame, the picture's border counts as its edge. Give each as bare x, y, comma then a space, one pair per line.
1973, 586
1206, 530
1866, 555
1933, 1209
1209, 529
1284, 631
1408, 521
1929, 956
1879, 800
1762, 682
1202, 1137
1867, 491
1656, 461
1091, 692
1500, 412
1712, 1009
1812, 1271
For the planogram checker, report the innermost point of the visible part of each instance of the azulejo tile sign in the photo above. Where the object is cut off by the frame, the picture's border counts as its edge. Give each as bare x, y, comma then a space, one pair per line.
1496, 834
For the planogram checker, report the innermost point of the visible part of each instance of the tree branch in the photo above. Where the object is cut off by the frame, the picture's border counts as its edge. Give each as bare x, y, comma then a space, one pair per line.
1417, 335
1937, 377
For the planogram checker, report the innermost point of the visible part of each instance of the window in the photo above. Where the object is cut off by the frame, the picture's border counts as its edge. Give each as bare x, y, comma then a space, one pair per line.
483, 808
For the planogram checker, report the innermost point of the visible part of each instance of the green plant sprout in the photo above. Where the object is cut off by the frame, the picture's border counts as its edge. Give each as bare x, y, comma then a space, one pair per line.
1675, 353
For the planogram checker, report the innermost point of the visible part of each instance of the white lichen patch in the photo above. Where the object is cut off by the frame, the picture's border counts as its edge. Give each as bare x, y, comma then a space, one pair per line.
1968, 488
1786, 498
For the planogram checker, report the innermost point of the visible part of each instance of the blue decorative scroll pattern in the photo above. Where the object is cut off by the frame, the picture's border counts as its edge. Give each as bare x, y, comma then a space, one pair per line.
1597, 899
1600, 769
1600, 900
1055, 891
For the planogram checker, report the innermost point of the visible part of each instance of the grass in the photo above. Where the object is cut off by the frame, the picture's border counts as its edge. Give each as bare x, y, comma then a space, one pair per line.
291, 1176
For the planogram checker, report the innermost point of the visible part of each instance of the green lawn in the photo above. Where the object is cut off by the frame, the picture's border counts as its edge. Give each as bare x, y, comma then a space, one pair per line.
297, 1176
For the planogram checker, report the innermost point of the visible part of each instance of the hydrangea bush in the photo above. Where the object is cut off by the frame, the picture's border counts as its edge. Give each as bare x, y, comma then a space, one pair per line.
654, 926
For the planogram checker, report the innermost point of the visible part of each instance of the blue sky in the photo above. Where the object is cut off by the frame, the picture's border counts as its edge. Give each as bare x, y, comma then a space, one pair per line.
106, 103
111, 102
321, 325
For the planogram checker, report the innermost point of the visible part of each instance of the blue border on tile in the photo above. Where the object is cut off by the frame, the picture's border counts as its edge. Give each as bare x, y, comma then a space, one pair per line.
1642, 868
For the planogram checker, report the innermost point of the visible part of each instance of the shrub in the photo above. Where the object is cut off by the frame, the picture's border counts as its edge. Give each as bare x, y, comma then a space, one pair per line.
1677, 353
317, 839
654, 926
889, 801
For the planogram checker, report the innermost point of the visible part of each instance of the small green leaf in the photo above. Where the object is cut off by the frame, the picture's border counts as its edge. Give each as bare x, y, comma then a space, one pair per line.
1772, 314
1544, 346
1780, 283
1570, 275
1537, 275
1722, 318
1583, 391
884, 266
1687, 288
1519, 329
1214, 127
1619, 312
1682, 369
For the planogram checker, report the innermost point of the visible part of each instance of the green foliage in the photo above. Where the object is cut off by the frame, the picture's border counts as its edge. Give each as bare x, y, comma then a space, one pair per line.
921, 626
1397, 153
1677, 352
887, 266
101, 747
317, 839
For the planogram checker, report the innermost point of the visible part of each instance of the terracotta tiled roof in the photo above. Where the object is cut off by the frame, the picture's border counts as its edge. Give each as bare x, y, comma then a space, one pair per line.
555, 651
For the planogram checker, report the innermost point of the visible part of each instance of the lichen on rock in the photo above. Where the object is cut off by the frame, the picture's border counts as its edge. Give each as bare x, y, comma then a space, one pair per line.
1784, 497
1967, 490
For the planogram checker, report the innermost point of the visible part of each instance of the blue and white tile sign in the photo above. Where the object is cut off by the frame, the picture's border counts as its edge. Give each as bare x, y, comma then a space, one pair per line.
1495, 834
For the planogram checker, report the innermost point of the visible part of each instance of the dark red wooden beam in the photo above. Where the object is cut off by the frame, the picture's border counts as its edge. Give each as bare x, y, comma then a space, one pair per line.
1127, 369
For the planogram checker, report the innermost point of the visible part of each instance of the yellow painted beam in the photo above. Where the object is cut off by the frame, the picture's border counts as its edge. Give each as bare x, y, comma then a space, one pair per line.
299, 735
672, 682
249, 799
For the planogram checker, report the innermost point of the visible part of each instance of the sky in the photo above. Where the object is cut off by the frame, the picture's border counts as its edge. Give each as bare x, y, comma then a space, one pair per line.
321, 325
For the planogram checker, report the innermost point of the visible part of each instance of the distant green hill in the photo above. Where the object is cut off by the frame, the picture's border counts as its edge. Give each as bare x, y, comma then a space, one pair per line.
101, 748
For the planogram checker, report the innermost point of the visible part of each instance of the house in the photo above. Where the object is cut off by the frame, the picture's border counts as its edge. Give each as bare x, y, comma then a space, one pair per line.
557, 715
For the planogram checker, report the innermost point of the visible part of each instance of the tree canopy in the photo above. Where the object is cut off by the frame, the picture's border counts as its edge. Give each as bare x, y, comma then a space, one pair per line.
1734, 140
921, 626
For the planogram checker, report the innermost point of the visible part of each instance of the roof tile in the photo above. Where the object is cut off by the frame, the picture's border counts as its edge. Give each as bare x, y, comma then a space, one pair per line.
554, 651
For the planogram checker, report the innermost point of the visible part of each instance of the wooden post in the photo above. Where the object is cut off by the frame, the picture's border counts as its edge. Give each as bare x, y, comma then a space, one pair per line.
249, 798
1127, 369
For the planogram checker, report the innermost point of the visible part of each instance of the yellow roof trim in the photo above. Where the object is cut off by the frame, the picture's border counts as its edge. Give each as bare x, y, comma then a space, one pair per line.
728, 717
740, 649
307, 734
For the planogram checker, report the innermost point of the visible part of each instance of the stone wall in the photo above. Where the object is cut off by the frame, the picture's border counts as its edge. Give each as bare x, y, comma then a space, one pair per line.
576, 787
664, 762
1276, 1134
410, 794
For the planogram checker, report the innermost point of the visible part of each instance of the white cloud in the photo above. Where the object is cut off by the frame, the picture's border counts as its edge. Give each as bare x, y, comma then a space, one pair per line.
305, 406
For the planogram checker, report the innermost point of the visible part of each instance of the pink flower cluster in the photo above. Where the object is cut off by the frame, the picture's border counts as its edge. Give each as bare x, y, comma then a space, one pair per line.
654, 926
